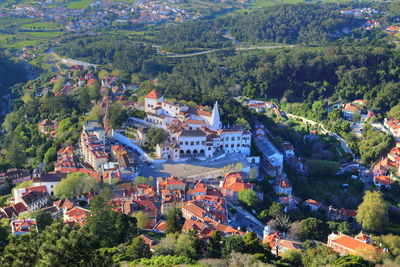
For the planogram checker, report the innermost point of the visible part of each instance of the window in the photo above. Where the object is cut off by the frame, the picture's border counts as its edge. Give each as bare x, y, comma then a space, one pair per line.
181, 143
226, 145
226, 138
186, 143
191, 143
232, 138
197, 143
232, 145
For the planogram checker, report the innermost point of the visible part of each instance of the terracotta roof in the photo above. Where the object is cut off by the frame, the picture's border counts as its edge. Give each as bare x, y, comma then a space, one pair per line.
236, 184
351, 243
161, 226
65, 204
193, 225
195, 210
23, 226
78, 215
313, 202
351, 107
154, 94
384, 180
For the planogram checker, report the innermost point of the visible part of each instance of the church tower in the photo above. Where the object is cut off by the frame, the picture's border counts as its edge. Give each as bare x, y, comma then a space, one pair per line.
215, 119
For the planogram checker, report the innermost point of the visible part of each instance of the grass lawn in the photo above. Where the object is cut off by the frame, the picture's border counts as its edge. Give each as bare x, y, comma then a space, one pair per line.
44, 26
81, 4
44, 35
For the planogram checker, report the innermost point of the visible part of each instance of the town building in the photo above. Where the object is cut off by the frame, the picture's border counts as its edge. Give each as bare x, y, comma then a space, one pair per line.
193, 132
393, 126
15, 176
92, 145
360, 245
49, 180
232, 185
350, 111
21, 227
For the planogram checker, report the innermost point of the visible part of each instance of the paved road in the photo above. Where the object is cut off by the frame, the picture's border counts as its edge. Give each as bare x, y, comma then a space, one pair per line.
266, 47
243, 218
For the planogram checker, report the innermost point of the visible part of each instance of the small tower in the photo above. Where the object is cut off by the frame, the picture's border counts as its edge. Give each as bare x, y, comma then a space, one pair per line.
215, 119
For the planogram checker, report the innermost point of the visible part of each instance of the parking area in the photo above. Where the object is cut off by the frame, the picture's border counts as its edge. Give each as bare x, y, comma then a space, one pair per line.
191, 167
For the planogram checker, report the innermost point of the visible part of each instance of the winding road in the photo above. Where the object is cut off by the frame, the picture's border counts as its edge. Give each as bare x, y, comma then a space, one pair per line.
172, 55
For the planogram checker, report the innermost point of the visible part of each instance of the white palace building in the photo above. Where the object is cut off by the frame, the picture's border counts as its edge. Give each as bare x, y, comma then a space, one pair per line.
193, 132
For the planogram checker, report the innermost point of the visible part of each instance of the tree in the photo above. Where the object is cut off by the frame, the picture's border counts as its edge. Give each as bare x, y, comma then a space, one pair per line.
137, 249
275, 209
174, 220
74, 184
214, 245
293, 257
43, 219
252, 244
142, 219
50, 155
106, 227
95, 114
394, 112
232, 243
322, 166
244, 123
94, 91
117, 115
58, 85
372, 213
319, 256
156, 136
248, 197
143, 180
351, 261
312, 228
103, 74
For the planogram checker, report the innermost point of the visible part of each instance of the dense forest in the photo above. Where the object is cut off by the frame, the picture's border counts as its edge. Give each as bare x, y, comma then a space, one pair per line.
291, 24
120, 51
10, 73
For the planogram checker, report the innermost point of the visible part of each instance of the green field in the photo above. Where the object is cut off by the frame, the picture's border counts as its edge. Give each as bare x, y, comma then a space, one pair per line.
45, 35
81, 4
44, 26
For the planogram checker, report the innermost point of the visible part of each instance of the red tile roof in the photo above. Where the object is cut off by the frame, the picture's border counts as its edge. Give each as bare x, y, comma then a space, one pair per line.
384, 180
154, 94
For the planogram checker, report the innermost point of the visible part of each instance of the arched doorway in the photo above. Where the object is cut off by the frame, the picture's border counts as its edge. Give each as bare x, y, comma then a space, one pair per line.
195, 151
201, 151
182, 152
188, 151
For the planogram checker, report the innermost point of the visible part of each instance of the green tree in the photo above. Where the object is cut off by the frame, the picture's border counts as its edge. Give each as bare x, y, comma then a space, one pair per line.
248, 197
214, 245
117, 115
252, 244
74, 185
351, 261
319, 256
94, 91
275, 209
50, 155
43, 219
142, 219
156, 136
243, 122
58, 85
232, 243
372, 213
137, 249
293, 257
322, 166
312, 228
175, 220
95, 114
143, 180
106, 227
103, 74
